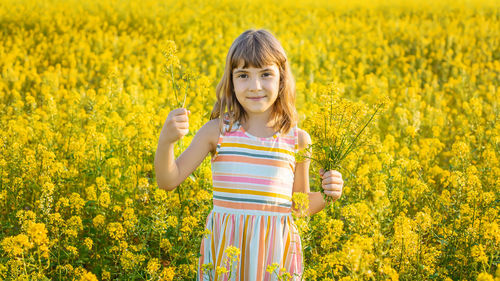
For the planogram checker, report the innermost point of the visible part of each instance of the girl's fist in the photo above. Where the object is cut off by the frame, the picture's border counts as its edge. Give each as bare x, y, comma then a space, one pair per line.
176, 126
332, 183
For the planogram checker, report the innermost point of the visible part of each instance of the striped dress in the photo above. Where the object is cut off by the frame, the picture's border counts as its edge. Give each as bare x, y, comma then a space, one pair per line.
252, 200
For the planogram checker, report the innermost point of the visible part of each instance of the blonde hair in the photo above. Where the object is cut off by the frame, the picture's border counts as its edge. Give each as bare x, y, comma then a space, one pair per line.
257, 48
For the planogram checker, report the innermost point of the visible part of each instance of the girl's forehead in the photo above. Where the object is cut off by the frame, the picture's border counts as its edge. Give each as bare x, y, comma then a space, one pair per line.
249, 66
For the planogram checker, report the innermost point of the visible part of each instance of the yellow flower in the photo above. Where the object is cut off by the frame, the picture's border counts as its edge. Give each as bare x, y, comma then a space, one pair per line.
16, 245
88, 243
104, 200
117, 209
25, 218
91, 193
411, 131
333, 229
116, 230
101, 184
460, 152
424, 220
77, 203
220, 270
479, 255
300, 202
484, 277
359, 218
129, 261
16, 266
172, 221
129, 218
167, 274
233, 253
62, 205
72, 250
206, 233
129, 203
73, 226
165, 244
272, 267
88, 276
302, 225
46, 198
207, 268
123, 245
153, 266
310, 274
170, 54
106, 275
188, 223
99, 221
38, 235
203, 195
284, 275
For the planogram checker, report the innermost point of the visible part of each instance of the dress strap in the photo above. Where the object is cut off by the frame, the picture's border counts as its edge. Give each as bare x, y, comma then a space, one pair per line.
225, 130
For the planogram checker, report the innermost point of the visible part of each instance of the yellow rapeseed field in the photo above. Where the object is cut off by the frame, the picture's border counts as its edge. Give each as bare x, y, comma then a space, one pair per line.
84, 92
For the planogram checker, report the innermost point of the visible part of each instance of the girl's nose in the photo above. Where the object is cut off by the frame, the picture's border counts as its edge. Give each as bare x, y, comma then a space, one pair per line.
255, 84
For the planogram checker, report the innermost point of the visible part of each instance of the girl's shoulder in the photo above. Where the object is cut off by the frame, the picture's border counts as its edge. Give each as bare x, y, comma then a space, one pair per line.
210, 132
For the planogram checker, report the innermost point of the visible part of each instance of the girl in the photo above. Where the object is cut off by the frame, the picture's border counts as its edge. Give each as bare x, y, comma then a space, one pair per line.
252, 137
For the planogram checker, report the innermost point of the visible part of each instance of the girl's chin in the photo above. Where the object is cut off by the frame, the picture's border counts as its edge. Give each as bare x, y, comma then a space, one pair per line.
256, 110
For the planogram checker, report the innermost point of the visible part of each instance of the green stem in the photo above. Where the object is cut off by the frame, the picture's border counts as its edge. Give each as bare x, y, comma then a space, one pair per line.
174, 85
355, 139
24, 263
340, 126
185, 93
159, 247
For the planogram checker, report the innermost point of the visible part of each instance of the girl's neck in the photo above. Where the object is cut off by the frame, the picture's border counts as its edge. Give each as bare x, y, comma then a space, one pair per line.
259, 125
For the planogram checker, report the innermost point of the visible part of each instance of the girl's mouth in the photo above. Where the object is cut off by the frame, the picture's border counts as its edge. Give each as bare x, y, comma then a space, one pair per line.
256, 98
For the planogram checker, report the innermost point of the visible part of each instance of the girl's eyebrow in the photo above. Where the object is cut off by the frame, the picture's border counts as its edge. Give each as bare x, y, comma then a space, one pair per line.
242, 70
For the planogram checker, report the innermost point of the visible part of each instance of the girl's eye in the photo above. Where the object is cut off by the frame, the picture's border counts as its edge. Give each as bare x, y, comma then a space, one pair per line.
267, 74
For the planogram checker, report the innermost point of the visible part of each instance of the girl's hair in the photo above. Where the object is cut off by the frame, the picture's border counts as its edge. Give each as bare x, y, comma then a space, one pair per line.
257, 48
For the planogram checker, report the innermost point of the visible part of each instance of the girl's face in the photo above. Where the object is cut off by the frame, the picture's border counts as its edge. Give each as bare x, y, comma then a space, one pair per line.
256, 89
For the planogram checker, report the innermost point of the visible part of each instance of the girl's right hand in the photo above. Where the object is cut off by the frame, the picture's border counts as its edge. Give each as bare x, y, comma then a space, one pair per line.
176, 126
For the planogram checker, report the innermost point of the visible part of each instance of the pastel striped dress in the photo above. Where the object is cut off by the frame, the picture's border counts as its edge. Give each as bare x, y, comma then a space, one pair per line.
252, 199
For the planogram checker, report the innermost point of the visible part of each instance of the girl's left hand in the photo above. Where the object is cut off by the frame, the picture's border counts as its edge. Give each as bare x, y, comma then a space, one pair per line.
332, 183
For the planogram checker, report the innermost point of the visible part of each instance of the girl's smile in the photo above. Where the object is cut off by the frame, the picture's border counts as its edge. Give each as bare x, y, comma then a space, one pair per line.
257, 98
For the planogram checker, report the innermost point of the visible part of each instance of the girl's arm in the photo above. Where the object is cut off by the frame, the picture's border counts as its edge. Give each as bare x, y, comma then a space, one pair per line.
301, 181
171, 172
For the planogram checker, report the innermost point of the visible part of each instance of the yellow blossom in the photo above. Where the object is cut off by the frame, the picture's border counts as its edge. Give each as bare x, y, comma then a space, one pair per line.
72, 250
99, 221
88, 243
16, 245
188, 224
104, 200
153, 266
167, 274
484, 277
116, 230
165, 244
106, 275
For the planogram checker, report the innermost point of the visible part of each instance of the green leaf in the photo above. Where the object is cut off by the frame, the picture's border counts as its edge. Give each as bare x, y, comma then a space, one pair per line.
192, 177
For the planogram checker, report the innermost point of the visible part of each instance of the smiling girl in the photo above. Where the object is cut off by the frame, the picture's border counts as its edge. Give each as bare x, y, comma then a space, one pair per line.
253, 139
